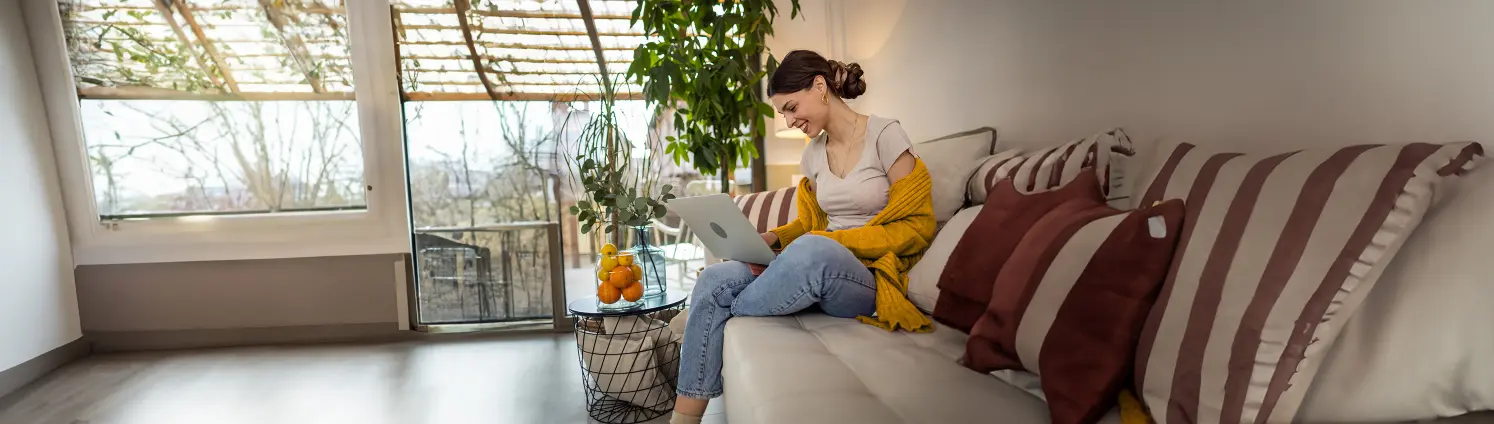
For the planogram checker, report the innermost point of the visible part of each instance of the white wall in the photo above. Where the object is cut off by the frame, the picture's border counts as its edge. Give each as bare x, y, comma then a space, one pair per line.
38, 302
1270, 74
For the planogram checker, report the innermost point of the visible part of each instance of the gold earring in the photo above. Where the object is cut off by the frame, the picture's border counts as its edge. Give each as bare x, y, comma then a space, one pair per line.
825, 97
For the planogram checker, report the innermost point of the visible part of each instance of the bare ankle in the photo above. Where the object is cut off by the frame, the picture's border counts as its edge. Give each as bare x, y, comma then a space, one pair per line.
690, 406
679, 418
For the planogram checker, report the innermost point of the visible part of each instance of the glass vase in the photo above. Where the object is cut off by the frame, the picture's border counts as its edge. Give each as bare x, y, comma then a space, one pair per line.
650, 257
622, 304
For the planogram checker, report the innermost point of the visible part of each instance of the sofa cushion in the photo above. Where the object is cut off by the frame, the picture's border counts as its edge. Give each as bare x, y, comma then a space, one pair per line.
951, 160
1107, 152
1420, 346
1276, 254
813, 368
1072, 300
965, 284
769, 209
923, 279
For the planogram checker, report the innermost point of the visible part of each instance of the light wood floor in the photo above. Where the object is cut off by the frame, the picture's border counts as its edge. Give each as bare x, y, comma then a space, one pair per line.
521, 379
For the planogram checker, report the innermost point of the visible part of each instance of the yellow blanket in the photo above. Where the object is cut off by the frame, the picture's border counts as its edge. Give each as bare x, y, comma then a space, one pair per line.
889, 245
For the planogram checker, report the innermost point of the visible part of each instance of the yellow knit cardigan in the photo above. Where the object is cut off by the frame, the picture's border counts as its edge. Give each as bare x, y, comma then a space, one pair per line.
889, 245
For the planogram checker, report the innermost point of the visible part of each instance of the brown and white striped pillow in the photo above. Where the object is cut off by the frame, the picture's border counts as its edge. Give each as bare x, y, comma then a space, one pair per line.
1050, 168
1071, 300
1276, 254
769, 209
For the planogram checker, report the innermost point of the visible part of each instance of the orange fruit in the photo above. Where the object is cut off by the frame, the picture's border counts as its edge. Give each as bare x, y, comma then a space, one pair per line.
608, 294
625, 258
621, 277
637, 272
633, 292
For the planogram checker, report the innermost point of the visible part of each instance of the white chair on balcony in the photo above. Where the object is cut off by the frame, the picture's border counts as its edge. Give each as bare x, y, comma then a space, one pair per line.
680, 248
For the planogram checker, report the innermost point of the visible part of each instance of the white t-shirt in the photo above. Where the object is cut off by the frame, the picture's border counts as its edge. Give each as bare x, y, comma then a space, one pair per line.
852, 201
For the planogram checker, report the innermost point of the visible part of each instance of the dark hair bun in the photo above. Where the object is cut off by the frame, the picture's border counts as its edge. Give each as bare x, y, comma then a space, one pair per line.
846, 80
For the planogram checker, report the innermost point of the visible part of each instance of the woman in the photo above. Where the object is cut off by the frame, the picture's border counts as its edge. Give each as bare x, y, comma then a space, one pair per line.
865, 216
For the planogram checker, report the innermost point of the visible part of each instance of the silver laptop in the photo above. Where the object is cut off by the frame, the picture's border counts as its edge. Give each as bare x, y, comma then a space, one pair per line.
722, 227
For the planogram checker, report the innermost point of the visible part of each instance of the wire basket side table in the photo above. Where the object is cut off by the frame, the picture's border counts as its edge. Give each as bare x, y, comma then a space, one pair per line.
629, 358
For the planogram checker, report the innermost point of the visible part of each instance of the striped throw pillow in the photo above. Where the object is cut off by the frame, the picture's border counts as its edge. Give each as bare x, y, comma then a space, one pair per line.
1072, 299
989, 244
769, 209
1050, 168
1276, 254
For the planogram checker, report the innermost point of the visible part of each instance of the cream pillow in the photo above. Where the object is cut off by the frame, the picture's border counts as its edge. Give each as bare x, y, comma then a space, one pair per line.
1277, 253
923, 279
951, 159
624, 368
1107, 152
666, 338
1420, 347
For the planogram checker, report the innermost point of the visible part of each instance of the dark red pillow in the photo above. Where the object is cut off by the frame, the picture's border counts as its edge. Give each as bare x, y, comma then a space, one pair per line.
965, 284
1071, 301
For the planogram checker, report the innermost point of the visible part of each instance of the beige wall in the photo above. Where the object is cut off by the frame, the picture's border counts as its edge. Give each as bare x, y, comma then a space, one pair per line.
780, 176
238, 294
37, 304
1272, 74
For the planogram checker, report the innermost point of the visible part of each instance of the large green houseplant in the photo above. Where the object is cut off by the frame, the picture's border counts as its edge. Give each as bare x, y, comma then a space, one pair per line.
704, 60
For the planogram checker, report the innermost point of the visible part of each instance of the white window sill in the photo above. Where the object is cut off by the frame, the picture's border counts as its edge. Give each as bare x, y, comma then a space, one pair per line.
240, 238
147, 253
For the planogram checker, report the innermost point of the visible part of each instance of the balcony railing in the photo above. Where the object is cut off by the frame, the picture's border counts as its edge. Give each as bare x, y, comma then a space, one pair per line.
498, 273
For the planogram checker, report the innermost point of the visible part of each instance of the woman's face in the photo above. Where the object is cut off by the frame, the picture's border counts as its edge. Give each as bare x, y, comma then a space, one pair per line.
805, 109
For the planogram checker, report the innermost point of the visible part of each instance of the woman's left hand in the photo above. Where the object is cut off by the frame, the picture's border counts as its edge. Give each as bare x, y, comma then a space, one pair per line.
757, 270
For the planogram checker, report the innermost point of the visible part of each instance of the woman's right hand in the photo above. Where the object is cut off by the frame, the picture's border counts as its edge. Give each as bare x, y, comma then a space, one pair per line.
770, 238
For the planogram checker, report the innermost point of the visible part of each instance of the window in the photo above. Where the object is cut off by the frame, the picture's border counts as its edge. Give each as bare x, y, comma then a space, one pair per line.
492, 91
215, 107
240, 129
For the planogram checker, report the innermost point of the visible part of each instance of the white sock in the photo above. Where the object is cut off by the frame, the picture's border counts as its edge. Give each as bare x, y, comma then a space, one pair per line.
679, 418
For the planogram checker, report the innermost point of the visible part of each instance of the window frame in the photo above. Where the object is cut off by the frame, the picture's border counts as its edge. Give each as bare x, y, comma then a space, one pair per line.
382, 228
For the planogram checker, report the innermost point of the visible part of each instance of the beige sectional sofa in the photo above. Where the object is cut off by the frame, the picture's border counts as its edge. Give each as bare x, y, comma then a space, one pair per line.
812, 368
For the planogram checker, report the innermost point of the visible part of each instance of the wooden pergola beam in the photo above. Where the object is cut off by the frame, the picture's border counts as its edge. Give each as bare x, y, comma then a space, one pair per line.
512, 59
299, 53
524, 31
522, 14
181, 37
154, 24
509, 84
596, 43
396, 21
513, 46
312, 9
207, 45
128, 93
499, 71
233, 40
469, 40
539, 97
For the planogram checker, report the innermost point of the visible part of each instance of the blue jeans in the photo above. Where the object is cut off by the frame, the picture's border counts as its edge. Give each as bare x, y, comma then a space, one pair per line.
812, 270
